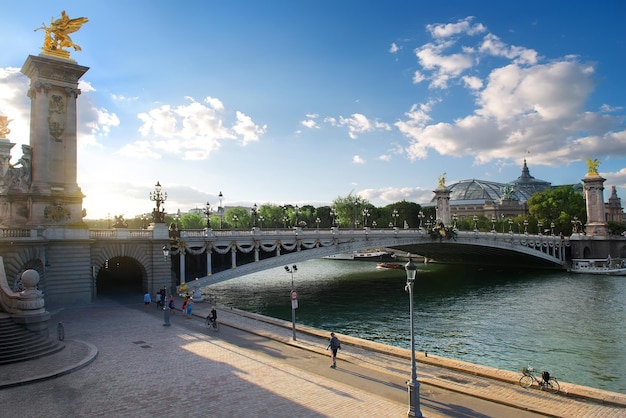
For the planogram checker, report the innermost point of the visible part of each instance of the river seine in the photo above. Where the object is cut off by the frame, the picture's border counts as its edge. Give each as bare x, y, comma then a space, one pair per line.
572, 325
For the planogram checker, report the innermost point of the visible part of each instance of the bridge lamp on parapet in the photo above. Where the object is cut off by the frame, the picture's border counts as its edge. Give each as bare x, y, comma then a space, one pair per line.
293, 295
254, 210
413, 384
220, 210
207, 212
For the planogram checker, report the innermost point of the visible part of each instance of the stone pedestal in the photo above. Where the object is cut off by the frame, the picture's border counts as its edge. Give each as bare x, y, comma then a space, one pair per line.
55, 196
596, 222
442, 197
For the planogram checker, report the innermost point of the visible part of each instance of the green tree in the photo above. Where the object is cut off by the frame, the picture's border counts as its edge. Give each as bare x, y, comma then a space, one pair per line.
405, 211
349, 210
239, 218
558, 205
192, 221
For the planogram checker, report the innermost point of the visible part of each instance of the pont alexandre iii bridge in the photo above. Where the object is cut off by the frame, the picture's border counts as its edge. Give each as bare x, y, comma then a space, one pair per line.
49, 258
75, 265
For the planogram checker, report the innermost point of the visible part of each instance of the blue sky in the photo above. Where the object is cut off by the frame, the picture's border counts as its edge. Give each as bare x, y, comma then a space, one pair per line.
301, 102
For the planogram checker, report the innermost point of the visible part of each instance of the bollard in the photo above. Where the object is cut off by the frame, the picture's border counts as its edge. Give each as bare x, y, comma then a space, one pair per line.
166, 316
60, 331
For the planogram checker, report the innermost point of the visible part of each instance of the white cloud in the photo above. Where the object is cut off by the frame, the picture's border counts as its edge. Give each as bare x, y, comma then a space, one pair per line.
492, 45
463, 26
358, 124
389, 195
393, 48
522, 104
310, 124
196, 129
473, 83
385, 157
358, 160
15, 104
139, 149
248, 129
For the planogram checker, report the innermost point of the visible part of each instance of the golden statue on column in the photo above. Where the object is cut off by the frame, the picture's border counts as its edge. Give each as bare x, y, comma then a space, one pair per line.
57, 35
4, 127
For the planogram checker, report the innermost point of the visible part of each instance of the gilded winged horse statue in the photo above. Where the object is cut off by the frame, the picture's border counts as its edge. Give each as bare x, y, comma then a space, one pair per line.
57, 34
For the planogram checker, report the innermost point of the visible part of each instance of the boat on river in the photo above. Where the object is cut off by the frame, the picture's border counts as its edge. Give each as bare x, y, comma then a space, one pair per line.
363, 256
605, 266
392, 266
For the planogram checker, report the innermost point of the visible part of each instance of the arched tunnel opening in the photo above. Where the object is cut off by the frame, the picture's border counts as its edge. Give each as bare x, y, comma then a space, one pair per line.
119, 276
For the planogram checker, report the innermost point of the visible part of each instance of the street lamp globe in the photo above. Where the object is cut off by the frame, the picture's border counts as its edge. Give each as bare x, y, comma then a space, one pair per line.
413, 384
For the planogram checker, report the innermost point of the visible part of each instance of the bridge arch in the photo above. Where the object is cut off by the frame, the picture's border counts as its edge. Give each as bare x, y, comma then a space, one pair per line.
122, 267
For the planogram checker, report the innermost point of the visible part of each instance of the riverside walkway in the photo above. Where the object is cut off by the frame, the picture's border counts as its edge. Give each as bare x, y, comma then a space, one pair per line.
120, 360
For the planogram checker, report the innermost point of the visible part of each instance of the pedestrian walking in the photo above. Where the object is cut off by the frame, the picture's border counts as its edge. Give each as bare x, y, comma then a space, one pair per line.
184, 307
159, 301
189, 308
170, 305
333, 346
146, 300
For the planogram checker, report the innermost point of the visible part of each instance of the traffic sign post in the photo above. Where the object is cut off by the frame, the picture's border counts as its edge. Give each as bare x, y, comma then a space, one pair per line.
293, 295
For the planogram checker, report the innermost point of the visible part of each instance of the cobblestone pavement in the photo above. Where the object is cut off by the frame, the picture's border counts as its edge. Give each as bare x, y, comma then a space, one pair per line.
124, 362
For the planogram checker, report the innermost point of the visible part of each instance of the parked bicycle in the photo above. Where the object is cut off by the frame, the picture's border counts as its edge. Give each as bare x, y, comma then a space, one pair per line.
212, 324
546, 382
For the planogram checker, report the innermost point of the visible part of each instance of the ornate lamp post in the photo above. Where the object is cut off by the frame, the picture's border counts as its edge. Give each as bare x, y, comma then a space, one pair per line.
475, 219
254, 211
502, 216
294, 299
413, 384
317, 222
366, 214
575, 225
454, 219
235, 220
333, 217
540, 227
207, 212
552, 228
220, 210
261, 219
285, 219
158, 197
374, 224
525, 226
395, 216
510, 226
420, 215
297, 211
493, 223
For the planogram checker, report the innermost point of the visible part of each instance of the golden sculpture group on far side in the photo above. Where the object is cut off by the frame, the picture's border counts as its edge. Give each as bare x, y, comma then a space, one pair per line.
57, 34
592, 167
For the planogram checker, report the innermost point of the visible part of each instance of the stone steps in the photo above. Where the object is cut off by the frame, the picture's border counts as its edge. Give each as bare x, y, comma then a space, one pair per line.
19, 344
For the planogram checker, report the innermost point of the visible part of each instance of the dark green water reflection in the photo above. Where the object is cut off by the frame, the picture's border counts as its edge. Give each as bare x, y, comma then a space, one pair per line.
571, 325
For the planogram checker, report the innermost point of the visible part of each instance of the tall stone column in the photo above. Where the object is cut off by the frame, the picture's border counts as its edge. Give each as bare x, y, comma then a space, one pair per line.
596, 221
56, 197
442, 197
